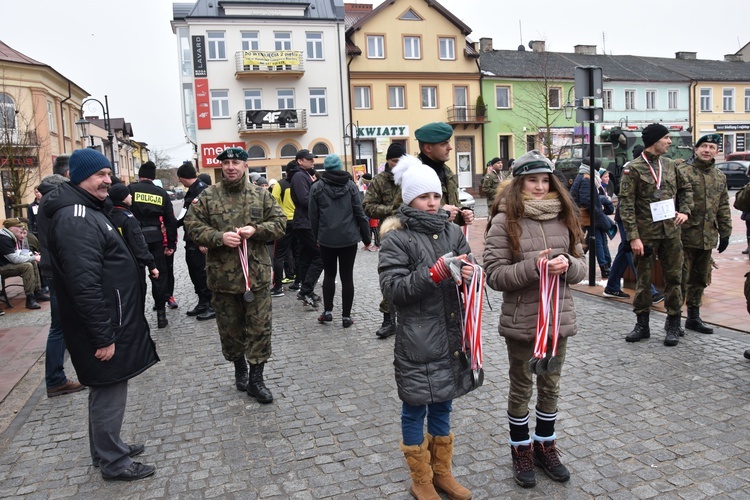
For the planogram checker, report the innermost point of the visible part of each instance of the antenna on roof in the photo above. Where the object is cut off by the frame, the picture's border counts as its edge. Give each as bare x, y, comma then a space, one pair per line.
604, 43
520, 32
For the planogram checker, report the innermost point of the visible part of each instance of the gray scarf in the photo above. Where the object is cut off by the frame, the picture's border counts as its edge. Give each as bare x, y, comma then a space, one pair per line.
423, 222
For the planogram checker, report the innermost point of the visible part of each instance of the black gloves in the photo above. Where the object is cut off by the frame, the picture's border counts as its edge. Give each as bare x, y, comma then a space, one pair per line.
723, 243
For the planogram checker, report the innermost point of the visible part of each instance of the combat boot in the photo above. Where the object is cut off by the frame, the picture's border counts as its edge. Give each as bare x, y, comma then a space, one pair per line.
209, 313
641, 330
31, 302
546, 456
240, 374
694, 321
199, 309
673, 331
387, 328
256, 387
161, 318
523, 465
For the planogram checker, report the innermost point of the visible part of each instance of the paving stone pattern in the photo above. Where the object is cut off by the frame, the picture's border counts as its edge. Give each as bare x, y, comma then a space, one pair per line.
635, 420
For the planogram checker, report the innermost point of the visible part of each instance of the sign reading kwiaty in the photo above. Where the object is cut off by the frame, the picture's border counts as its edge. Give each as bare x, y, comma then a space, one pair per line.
382, 131
202, 104
271, 58
209, 152
261, 116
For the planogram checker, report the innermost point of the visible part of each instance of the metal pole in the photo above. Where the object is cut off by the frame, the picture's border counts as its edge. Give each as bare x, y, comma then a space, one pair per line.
594, 196
108, 126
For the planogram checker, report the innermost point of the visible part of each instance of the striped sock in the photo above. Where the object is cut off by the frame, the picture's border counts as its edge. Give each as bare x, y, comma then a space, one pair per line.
545, 423
519, 429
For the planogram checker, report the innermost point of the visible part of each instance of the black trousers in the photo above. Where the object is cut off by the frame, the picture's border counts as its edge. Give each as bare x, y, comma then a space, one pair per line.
159, 286
343, 258
196, 264
282, 247
310, 265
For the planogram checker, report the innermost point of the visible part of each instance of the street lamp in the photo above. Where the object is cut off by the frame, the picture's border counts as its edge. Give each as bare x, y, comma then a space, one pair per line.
83, 123
570, 106
357, 141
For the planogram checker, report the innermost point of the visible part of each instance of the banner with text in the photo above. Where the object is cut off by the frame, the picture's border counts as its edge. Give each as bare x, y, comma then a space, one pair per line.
202, 104
271, 58
209, 152
261, 116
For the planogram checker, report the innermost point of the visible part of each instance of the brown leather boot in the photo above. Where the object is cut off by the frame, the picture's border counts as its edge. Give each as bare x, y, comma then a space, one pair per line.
418, 460
441, 453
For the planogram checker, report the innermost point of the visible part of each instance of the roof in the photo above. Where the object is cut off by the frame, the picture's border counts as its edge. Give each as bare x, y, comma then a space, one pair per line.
465, 30
11, 55
116, 123
314, 9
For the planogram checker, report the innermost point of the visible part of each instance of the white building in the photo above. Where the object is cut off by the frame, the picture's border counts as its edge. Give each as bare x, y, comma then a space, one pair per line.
266, 76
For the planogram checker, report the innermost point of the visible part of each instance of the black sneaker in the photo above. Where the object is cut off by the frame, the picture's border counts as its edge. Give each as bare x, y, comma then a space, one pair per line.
619, 294
657, 298
295, 286
325, 317
546, 456
277, 292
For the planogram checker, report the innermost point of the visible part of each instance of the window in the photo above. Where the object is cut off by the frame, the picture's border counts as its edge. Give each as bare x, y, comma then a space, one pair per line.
673, 98
320, 149
429, 97
447, 48
288, 151
315, 46
630, 99
553, 95
285, 98
650, 99
250, 40
502, 97
410, 15
747, 100
253, 99
219, 104
318, 102
7, 112
375, 47
607, 99
362, 98
282, 40
530, 142
396, 97
728, 100
412, 48
707, 100
256, 153
51, 117
217, 50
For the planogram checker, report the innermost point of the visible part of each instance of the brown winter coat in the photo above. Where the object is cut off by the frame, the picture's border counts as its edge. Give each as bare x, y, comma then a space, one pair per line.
516, 275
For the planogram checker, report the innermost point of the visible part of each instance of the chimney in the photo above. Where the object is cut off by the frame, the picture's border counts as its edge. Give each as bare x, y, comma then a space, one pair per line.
485, 44
733, 58
686, 56
585, 49
537, 45
357, 7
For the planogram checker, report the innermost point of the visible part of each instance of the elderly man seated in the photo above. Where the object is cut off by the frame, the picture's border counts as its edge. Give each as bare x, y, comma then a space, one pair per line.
16, 261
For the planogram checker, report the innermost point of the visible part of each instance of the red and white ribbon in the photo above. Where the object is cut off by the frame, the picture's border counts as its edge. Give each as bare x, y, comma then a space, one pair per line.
471, 321
548, 316
242, 248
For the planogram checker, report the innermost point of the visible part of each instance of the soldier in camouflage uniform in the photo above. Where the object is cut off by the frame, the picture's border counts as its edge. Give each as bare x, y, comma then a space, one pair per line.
220, 219
710, 222
494, 177
379, 204
652, 182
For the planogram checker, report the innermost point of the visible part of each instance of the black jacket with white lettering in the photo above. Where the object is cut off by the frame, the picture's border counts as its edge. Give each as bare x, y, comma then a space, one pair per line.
149, 203
98, 286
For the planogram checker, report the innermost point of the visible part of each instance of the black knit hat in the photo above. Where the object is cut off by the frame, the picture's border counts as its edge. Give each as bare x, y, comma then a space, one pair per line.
395, 151
187, 171
205, 179
118, 192
147, 170
653, 133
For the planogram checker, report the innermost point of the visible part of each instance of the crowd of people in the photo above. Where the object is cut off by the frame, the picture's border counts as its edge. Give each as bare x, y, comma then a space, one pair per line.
247, 237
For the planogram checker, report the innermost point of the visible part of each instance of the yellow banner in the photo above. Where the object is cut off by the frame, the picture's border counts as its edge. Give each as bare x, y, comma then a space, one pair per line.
274, 58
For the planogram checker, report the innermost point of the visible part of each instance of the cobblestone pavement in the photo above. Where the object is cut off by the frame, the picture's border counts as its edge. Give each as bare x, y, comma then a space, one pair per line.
635, 420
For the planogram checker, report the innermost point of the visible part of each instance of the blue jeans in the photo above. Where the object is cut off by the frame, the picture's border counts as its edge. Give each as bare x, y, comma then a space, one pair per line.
55, 357
623, 259
602, 248
412, 421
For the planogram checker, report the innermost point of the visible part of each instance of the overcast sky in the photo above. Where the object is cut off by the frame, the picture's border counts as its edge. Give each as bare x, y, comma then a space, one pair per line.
126, 50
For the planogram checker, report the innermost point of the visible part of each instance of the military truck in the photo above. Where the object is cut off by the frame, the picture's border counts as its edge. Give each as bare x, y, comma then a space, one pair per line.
616, 149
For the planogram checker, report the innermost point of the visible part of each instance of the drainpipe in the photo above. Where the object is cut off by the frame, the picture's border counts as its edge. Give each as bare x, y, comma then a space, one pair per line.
62, 111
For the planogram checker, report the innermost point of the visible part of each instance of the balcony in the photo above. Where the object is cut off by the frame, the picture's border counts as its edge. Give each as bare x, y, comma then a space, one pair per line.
12, 137
269, 64
466, 115
272, 121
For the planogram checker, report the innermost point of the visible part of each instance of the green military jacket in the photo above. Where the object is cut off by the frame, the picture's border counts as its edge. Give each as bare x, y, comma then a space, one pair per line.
380, 195
710, 217
742, 199
637, 192
450, 190
227, 206
490, 183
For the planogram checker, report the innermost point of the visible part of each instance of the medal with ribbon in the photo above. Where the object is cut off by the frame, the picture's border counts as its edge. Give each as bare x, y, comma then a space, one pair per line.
472, 291
548, 321
242, 248
657, 179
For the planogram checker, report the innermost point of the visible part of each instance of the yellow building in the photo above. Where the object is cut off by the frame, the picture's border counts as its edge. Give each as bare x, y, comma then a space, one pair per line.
723, 107
409, 64
38, 111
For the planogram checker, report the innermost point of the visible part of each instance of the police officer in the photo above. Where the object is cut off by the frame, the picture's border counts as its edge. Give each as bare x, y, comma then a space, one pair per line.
434, 151
152, 207
379, 204
710, 222
494, 177
228, 218
652, 217
195, 256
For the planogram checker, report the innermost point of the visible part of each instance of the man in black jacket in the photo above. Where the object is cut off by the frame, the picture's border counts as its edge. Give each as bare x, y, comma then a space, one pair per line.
152, 206
101, 308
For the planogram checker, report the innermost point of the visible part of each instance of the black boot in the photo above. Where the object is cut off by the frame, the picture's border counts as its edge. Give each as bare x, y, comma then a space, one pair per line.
641, 330
747, 250
523, 465
31, 302
240, 374
387, 328
199, 309
161, 318
209, 313
256, 387
605, 271
673, 330
694, 321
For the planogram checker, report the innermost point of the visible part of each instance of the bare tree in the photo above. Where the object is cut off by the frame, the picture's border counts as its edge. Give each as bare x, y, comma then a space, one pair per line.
161, 159
20, 147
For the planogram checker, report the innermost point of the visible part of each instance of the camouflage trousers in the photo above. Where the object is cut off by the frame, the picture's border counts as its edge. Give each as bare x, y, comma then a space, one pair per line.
244, 328
696, 275
669, 251
29, 273
522, 380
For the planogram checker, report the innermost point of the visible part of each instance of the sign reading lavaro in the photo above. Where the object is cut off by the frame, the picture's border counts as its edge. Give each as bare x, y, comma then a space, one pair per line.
202, 104
199, 57
18, 161
209, 152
